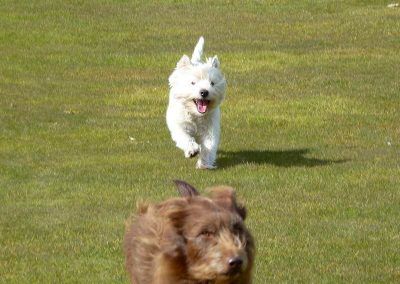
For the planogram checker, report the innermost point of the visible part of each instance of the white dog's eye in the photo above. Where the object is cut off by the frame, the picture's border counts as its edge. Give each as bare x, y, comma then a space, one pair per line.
212, 83
193, 82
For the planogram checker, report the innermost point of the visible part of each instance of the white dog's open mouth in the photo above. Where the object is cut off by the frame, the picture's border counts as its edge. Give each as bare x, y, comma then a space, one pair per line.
201, 105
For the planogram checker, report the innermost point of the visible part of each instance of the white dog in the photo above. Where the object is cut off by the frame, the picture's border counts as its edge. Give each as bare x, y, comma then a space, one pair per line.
193, 115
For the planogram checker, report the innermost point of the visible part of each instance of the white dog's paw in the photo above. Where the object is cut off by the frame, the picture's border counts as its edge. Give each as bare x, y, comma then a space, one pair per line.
202, 166
192, 150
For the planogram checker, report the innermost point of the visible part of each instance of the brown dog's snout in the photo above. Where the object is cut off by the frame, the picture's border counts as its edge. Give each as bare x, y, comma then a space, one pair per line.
235, 264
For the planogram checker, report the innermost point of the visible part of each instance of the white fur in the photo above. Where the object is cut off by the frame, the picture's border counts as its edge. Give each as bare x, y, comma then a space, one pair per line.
198, 51
195, 132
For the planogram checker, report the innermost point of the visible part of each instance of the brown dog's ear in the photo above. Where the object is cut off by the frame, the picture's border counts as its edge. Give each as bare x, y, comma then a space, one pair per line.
176, 212
185, 189
225, 196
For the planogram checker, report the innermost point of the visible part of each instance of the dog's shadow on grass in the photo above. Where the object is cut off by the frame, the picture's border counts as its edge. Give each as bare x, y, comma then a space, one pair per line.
284, 158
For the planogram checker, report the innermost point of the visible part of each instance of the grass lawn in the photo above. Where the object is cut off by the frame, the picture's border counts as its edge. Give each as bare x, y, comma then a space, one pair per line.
310, 132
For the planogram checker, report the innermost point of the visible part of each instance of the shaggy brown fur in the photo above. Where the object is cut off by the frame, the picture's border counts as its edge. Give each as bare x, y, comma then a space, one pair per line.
190, 240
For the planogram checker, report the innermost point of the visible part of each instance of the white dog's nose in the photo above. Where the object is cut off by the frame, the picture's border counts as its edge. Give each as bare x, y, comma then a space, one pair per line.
203, 93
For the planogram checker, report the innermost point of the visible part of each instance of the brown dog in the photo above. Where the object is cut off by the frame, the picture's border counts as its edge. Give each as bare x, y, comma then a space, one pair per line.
190, 240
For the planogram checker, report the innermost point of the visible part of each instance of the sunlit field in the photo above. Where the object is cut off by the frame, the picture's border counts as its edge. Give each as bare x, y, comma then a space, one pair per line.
310, 132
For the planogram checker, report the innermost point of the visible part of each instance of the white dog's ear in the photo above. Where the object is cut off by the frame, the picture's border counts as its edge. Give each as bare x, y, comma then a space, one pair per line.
215, 62
183, 62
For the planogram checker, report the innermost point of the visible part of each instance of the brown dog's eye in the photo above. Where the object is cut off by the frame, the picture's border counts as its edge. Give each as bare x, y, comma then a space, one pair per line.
206, 233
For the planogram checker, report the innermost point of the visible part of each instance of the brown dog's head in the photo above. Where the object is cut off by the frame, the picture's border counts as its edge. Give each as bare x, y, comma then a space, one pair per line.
217, 244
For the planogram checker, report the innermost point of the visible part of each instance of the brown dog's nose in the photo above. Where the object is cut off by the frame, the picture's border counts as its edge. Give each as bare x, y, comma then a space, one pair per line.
235, 263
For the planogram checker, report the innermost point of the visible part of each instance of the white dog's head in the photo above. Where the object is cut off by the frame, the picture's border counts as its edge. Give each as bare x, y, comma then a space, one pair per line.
198, 85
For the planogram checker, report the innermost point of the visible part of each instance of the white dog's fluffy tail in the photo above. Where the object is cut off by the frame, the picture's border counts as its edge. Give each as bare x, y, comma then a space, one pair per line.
198, 51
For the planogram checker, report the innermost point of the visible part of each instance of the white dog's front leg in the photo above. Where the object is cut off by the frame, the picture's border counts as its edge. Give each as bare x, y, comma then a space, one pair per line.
185, 142
208, 152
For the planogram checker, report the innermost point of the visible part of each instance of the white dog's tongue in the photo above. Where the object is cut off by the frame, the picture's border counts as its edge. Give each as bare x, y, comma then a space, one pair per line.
202, 105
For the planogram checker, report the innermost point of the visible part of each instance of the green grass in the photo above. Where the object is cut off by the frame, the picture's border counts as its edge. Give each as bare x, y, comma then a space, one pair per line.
310, 132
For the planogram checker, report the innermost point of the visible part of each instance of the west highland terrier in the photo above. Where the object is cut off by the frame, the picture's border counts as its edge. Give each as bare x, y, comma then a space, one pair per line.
190, 240
193, 115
